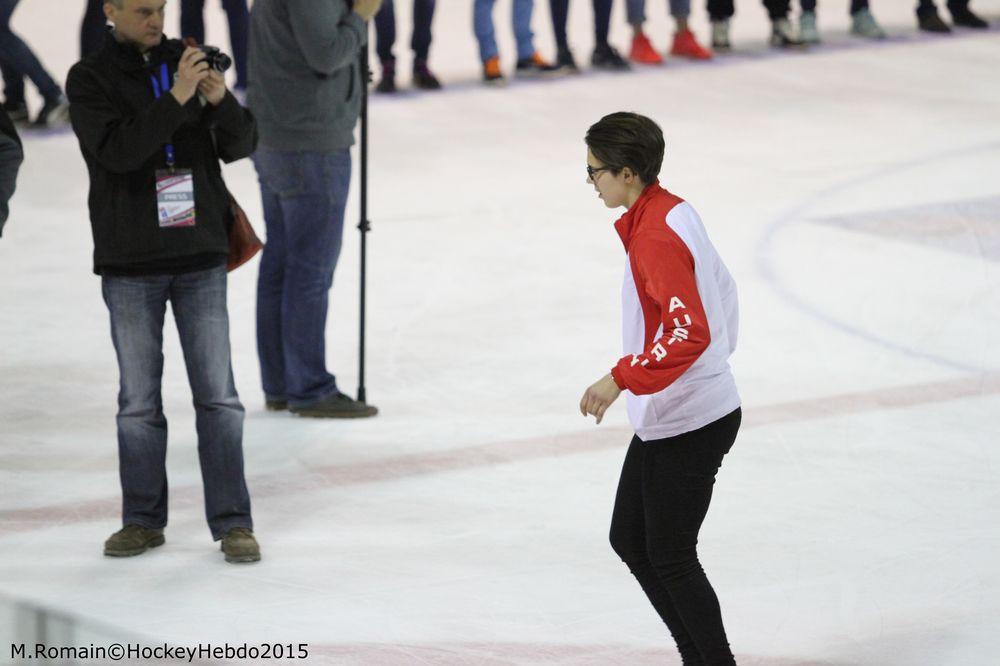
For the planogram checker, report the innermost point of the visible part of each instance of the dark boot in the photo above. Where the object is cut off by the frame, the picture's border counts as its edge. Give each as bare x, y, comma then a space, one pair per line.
964, 17
337, 406
239, 545
607, 58
387, 84
930, 22
566, 62
132, 540
423, 77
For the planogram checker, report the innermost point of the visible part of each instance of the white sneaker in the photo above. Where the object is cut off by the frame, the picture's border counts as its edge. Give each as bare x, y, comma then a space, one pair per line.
808, 32
863, 24
783, 36
720, 35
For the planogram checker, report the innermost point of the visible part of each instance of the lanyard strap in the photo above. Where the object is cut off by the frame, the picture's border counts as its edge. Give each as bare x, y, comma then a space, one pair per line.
161, 88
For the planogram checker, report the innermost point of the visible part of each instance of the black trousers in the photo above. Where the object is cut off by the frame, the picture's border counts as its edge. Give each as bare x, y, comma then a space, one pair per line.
719, 10
238, 15
385, 30
663, 496
602, 22
92, 28
928, 7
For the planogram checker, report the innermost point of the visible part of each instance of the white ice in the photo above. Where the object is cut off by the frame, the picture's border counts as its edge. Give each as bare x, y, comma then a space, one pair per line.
852, 190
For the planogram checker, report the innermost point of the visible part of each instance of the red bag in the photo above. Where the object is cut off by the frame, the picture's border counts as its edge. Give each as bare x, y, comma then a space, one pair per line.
243, 241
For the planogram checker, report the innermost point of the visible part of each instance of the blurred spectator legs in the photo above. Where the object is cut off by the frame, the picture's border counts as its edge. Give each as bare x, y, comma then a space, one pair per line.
17, 61
193, 25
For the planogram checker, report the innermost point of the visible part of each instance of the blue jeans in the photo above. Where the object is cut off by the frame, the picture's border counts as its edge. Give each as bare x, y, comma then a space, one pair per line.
17, 61
137, 306
304, 195
193, 25
636, 10
385, 29
482, 24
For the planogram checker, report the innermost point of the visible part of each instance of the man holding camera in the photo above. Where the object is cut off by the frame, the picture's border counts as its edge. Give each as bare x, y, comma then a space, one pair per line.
153, 119
305, 91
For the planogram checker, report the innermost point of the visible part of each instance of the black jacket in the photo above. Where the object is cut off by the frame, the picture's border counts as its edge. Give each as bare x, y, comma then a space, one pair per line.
123, 129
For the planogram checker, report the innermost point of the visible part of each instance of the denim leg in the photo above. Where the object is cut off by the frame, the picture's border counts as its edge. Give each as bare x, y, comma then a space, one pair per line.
271, 276
482, 25
238, 17
385, 31
521, 17
423, 15
137, 306
193, 20
636, 11
311, 191
858, 5
681, 9
199, 304
20, 57
807, 5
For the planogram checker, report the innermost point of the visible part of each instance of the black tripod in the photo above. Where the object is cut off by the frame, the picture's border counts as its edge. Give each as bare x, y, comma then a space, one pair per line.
364, 225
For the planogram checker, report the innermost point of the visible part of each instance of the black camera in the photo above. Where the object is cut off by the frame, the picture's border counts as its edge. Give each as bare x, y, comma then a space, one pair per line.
216, 59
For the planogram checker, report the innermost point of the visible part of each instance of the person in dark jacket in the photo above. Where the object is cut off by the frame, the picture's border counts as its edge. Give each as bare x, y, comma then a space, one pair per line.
11, 156
159, 211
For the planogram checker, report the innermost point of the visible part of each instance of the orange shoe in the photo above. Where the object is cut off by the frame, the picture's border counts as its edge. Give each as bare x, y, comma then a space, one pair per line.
643, 52
491, 71
686, 46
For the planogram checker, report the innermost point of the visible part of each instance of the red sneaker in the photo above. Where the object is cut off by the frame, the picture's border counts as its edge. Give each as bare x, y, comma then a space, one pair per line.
686, 46
643, 52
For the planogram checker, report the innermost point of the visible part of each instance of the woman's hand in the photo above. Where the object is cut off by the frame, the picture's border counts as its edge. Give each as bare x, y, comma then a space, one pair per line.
599, 396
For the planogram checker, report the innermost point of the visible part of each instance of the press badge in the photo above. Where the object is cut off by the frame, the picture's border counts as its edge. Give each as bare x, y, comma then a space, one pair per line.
175, 198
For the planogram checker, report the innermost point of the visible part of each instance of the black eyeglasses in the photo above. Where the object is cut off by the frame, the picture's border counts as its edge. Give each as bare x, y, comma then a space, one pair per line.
592, 171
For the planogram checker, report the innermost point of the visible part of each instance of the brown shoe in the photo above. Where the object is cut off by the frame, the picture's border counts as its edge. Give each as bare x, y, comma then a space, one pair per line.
239, 545
132, 540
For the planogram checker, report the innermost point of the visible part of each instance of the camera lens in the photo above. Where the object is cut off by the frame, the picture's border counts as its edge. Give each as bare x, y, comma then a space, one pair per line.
221, 62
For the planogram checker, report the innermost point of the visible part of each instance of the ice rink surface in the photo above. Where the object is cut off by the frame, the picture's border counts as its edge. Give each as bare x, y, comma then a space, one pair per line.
854, 192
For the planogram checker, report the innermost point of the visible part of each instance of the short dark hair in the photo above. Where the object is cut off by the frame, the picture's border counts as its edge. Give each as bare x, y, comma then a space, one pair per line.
626, 139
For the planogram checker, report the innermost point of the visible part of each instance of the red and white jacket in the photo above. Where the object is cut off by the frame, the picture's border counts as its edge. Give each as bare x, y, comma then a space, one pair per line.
679, 320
